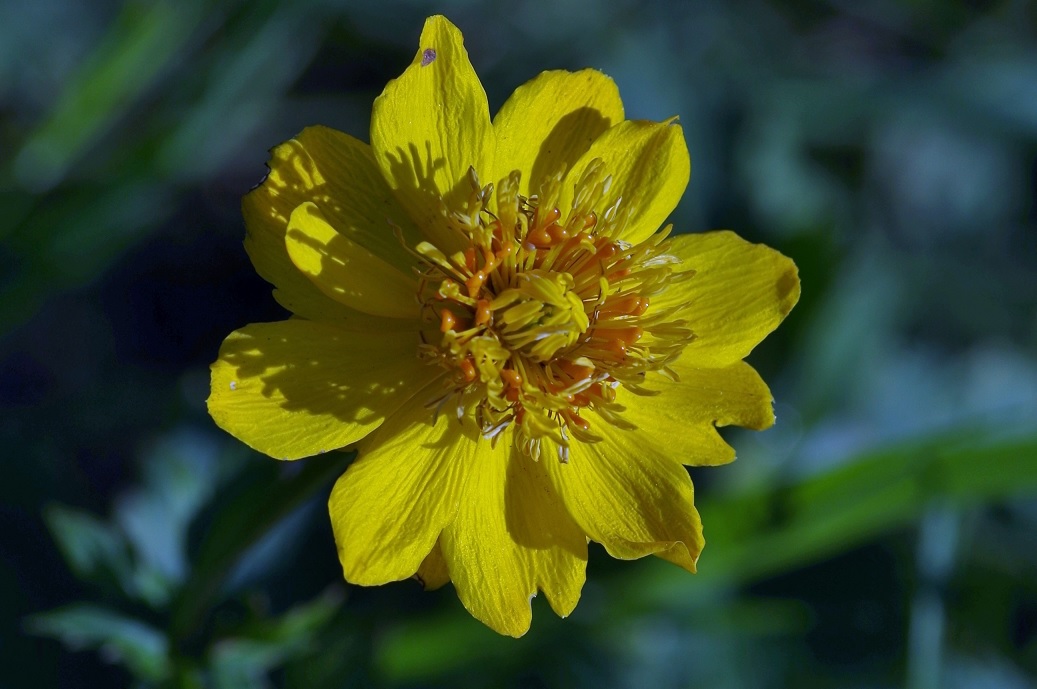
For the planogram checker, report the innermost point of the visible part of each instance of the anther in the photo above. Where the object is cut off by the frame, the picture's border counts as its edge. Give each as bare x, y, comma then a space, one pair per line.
552, 217
468, 370
624, 305
574, 419
511, 378
483, 314
475, 283
447, 320
628, 335
617, 347
557, 233
539, 238
606, 252
574, 370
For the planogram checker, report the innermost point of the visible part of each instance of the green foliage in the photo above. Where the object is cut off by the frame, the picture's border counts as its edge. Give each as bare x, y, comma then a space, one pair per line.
143, 649
137, 561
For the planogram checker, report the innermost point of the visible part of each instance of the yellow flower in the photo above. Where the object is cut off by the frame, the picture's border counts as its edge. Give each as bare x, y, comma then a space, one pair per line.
486, 310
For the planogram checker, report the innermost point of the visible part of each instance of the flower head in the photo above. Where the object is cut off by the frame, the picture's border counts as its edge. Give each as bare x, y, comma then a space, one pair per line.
490, 314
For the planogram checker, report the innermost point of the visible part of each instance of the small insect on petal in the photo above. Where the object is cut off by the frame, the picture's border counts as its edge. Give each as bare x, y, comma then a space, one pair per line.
428, 57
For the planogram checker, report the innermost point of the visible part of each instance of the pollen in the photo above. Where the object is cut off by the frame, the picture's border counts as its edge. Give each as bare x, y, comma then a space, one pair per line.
545, 313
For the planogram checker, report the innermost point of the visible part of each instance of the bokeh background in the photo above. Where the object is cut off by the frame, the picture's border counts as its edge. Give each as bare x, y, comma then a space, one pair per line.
883, 534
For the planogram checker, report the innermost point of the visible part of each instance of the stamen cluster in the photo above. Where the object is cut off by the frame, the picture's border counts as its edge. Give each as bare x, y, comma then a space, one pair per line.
543, 315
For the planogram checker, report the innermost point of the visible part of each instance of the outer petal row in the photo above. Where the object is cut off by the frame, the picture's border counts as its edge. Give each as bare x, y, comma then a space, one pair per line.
433, 573
549, 122
739, 294
286, 389
508, 526
338, 174
429, 126
650, 169
511, 537
681, 421
346, 271
631, 499
435, 500
390, 506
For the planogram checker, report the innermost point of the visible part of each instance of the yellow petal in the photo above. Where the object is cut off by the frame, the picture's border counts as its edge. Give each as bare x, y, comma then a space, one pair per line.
550, 121
739, 294
650, 169
429, 127
512, 536
630, 498
389, 507
297, 388
346, 271
339, 174
433, 573
682, 419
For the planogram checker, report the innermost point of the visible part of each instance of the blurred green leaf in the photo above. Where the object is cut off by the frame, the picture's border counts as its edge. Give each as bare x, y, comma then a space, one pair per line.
433, 646
142, 649
247, 77
71, 238
764, 532
239, 524
94, 550
245, 659
142, 43
180, 471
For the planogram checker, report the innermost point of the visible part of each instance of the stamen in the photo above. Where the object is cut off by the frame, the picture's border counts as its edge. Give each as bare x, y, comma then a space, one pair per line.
543, 313
448, 320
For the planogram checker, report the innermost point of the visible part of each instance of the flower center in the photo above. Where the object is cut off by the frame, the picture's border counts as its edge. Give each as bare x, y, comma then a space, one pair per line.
540, 318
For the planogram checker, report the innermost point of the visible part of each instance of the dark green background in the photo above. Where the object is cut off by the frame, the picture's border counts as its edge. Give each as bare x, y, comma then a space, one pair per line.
881, 535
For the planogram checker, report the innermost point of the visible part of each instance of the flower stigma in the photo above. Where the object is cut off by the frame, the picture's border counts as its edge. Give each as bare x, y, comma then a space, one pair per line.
543, 315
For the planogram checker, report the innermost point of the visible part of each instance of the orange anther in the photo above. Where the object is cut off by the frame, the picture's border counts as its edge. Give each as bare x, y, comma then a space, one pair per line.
621, 305
539, 238
575, 371
469, 258
590, 221
606, 252
447, 320
511, 378
468, 370
475, 283
512, 394
628, 335
642, 306
483, 314
621, 273
557, 233
575, 419
552, 217
617, 347
490, 261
